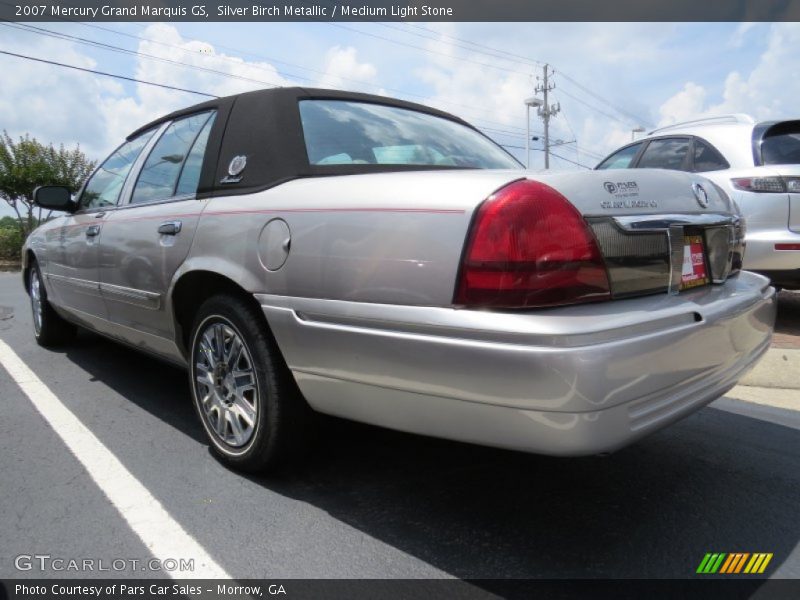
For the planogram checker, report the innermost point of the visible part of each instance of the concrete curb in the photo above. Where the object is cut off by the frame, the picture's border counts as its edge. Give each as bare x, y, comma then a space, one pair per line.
779, 368
775, 397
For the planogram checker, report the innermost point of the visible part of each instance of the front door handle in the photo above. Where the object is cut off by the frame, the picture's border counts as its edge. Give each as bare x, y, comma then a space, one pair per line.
170, 228
93, 231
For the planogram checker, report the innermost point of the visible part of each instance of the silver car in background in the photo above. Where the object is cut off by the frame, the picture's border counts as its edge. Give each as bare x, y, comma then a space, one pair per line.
757, 164
304, 251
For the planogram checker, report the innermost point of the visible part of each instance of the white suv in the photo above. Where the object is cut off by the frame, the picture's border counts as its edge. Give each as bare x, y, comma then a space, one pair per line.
757, 164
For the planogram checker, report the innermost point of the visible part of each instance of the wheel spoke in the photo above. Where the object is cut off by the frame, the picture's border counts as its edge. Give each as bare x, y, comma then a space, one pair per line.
207, 348
234, 352
220, 423
208, 402
204, 376
244, 380
236, 428
243, 408
219, 338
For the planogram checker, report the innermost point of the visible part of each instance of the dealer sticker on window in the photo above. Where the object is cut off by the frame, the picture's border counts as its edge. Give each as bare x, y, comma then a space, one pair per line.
694, 263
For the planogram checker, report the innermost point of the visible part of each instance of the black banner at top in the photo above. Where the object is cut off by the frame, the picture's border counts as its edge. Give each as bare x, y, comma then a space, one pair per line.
400, 10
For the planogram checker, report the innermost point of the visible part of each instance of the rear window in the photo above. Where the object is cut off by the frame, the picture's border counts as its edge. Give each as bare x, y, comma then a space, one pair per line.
341, 132
781, 144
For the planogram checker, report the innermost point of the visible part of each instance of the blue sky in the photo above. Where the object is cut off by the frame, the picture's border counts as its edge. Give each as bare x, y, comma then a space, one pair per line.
610, 77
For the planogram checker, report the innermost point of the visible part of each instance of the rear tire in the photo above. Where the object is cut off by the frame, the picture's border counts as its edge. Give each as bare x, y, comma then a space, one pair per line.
248, 402
49, 328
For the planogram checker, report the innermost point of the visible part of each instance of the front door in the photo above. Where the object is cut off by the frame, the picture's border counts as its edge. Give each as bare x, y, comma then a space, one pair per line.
73, 268
148, 237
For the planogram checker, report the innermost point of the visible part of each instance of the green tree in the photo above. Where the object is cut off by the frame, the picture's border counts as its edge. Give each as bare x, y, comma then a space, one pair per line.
28, 163
8, 223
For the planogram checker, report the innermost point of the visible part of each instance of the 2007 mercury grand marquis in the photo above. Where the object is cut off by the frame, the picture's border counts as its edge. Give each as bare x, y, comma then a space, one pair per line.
306, 250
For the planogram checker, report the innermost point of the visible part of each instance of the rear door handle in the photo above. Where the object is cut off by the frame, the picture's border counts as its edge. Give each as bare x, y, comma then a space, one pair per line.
93, 231
170, 228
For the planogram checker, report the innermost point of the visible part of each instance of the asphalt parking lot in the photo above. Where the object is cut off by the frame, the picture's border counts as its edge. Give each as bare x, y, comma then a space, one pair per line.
375, 503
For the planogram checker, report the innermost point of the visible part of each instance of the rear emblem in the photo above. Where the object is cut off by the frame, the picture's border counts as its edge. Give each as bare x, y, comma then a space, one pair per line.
700, 195
235, 168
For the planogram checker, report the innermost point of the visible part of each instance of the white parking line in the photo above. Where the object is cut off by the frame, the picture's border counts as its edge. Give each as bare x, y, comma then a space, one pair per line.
163, 536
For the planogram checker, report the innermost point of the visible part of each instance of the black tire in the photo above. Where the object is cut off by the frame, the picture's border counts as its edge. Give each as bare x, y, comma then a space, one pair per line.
49, 328
283, 420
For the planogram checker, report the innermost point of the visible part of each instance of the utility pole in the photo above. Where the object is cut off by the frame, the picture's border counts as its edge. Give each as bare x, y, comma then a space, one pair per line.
546, 111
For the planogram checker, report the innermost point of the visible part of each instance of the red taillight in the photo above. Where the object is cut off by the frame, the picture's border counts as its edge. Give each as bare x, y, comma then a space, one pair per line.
770, 184
530, 247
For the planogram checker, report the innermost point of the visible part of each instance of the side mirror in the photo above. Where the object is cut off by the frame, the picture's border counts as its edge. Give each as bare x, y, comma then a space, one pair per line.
54, 197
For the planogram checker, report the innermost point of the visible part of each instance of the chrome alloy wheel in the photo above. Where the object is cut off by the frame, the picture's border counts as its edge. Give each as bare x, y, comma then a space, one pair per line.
36, 300
225, 383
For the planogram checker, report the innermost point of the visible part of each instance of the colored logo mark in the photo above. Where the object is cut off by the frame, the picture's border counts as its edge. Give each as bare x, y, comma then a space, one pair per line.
734, 563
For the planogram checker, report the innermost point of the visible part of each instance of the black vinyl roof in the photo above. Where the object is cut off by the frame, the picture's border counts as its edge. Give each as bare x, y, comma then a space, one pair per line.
265, 127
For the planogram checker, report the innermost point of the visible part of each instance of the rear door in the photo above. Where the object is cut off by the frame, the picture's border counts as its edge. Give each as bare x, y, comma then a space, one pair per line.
73, 269
148, 237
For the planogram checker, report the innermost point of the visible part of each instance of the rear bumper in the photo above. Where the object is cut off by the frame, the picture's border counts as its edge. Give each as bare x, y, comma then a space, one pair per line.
781, 266
569, 381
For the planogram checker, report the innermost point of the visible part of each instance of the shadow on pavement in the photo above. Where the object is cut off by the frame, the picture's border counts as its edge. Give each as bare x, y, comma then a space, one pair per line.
715, 482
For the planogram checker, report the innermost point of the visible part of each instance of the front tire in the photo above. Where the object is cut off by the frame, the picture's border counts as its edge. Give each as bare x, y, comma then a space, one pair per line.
249, 404
48, 326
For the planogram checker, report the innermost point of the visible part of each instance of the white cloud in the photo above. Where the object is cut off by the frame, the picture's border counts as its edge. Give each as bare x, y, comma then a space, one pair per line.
659, 72
768, 91
490, 91
343, 70
66, 106
51, 104
208, 71
684, 105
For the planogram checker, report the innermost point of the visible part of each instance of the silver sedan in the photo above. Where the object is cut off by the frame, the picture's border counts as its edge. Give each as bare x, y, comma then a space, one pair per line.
308, 251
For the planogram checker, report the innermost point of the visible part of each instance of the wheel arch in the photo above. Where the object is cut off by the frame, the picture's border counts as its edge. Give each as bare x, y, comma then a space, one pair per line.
28, 258
194, 287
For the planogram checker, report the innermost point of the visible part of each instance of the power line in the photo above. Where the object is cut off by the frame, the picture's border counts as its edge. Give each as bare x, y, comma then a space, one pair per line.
516, 58
605, 101
113, 48
594, 108
459, 58
494, 53
520, 59
114, 75
568, 160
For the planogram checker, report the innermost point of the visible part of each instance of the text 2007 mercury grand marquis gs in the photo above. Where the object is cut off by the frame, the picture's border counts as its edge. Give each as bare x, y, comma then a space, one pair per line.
305, 251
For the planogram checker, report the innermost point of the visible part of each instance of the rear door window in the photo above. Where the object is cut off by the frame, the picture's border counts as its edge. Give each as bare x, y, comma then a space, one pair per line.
666, 153
622, 158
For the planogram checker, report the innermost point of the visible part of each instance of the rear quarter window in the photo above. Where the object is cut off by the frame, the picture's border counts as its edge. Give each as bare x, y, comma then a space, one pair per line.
707, 158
